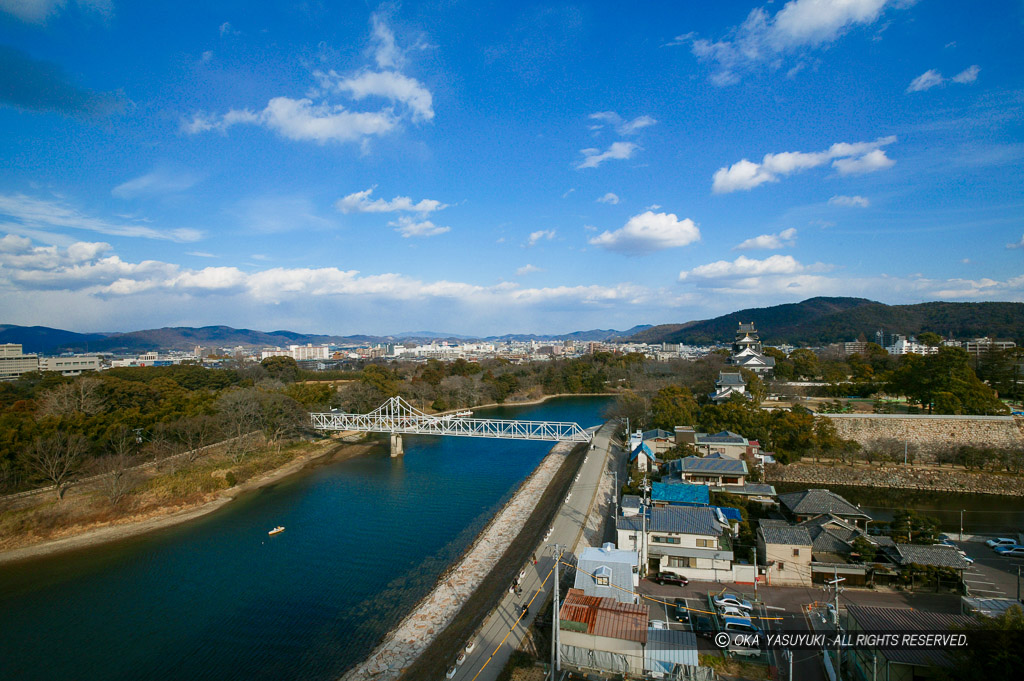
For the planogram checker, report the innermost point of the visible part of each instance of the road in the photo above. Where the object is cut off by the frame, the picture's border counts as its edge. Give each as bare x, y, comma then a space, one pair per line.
503, 629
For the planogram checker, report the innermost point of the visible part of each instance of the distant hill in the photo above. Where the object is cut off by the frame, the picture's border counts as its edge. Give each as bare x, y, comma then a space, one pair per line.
43, 339
819, 321
600, 335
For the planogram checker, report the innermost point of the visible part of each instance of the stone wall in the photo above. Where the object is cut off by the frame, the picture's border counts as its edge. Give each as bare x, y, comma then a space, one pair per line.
893, 477
931, 434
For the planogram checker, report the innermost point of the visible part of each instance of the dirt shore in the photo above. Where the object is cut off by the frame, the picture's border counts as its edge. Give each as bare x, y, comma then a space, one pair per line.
82, 536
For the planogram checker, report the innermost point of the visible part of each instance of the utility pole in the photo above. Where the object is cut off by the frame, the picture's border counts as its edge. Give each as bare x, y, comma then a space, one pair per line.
962, 531
556, 655
833, 586
643, 521
905, 444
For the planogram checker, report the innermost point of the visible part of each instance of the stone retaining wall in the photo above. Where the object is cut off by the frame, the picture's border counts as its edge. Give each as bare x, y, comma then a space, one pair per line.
893, 477
415, 633
931, 434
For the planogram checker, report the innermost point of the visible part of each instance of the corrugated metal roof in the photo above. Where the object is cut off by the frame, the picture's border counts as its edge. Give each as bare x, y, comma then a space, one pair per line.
873, 618
669, 647
697, 464
606, 617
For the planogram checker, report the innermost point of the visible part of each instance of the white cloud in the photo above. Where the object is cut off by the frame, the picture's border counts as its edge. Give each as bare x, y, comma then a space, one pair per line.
540, 235
932, 78
226, 29
39, 11
570, 191
326, 121
850, 201
649, 232
1019, 244
360, 202
155, 183
858, 157
868, 163
201, 254
622, 127
783, 239
609, 198
925, 81
744, 267
38, 214
595, 157
797, 28
968, 75
409, 227
528, 269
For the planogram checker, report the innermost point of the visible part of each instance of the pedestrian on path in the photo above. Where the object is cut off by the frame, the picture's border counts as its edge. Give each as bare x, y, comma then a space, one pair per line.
535, 559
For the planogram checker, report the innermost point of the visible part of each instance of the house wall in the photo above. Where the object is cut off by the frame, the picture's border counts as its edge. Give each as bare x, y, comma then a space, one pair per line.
795, 571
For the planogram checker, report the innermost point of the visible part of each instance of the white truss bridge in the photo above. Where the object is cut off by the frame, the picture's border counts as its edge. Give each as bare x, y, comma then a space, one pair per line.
398, 417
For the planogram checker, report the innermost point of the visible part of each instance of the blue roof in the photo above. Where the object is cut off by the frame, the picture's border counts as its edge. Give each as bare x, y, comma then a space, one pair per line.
688, 494
731, 513
642, 448
696, 464
658, 433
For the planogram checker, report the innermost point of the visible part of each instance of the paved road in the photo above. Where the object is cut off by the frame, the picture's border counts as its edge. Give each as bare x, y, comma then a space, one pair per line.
992, 575
538, 580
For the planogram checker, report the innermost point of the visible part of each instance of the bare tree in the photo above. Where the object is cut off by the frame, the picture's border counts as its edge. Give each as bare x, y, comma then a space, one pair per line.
84, 396
195, 432
57, 458
116, 476
240, 415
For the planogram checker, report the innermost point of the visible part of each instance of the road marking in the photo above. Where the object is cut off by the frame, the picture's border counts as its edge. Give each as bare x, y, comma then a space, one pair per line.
977, 581
988, 591
773, 607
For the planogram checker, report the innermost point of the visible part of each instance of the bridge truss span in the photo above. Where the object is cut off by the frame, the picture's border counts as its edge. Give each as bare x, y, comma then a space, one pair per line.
396, 416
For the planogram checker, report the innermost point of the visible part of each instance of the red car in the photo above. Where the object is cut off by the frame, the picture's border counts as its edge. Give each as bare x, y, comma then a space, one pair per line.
669, 578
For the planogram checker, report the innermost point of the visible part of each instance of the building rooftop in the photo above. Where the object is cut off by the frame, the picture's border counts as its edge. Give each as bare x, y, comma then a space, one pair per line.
726, 437
889, 620
604, 616
936, 554
668, 647
617, 565
642, 449
781, 532
697, 464
685, 493
658, 433
730, 379
819, 502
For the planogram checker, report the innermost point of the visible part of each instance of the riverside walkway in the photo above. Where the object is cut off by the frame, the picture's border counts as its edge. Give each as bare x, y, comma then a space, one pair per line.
494, 643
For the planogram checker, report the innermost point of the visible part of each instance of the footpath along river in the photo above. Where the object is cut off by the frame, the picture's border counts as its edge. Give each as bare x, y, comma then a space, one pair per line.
217, 598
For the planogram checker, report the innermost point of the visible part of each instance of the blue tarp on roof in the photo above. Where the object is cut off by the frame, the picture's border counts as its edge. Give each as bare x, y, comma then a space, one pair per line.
684, 494
730, 513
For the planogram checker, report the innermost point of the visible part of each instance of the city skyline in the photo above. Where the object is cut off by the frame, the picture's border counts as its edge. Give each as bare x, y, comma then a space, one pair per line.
528, 169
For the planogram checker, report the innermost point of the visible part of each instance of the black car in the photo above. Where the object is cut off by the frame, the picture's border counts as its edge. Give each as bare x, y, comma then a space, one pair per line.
681, 613
702, 625
669, 578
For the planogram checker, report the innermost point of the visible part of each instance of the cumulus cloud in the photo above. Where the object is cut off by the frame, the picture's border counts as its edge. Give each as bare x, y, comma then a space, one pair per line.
609, 198
621, 126
324, 120
409, 227
649, 232
858, 201
592, 158
847, 158
540, 235
932, 78
798, 28
38, 214
155, 183
359, 202
786, 237
528, 269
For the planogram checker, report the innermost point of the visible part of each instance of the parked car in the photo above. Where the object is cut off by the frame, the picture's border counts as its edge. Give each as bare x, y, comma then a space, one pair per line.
669, 578
1001, 541
1010, 551
733, 611
723, 600
739, 625
680, 612
702, 625
970, 561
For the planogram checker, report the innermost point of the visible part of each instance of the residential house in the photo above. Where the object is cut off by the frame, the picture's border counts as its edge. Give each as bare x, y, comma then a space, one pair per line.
692, 541
630, 504
710, 470
785, 552
602, 633
680, 494
811, 503
608, 572
659, 441
727, 444
643, 458
864, 663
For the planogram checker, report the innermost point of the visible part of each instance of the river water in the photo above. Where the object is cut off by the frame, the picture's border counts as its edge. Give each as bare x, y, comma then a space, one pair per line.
217, 598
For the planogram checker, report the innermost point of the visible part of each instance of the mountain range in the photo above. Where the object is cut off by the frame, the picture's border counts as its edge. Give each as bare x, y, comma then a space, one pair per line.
816, 321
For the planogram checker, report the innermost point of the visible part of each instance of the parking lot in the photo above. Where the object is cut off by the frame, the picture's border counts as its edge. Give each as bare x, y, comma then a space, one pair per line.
991, 575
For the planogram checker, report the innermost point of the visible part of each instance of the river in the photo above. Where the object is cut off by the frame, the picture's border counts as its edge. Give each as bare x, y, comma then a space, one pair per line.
983, 513
217, 598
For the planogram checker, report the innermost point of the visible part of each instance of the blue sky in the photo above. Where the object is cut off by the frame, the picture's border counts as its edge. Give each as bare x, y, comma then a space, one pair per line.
485, 168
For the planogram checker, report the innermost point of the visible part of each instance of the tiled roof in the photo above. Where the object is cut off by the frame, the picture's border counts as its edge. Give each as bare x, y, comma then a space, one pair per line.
696, 464
630, 501
723, 438
658, 433
606, 617
685, 493
781, 532
936, 554
685, 520
877, 619
730, 379
820, 501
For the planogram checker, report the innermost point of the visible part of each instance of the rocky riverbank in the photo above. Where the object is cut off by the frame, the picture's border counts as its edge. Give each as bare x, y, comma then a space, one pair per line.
892, 477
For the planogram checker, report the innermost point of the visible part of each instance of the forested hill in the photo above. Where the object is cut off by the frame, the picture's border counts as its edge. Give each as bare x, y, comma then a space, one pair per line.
818, 321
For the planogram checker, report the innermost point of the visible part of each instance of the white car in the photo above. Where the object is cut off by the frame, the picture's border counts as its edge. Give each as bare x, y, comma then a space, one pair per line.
1000, 541
733, 611
733, 600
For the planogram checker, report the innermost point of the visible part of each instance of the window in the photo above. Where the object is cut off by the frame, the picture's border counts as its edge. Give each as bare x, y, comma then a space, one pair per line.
705, 543
782, 566
686, 562
665, 540
796, 553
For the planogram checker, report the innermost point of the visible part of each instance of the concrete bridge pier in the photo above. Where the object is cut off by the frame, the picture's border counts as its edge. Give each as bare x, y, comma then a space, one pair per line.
396, 445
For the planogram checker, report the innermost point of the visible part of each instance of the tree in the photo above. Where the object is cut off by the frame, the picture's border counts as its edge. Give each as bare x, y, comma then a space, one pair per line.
755, 386
805, 363
282, 368
864, 549
628, 405
929, 338
194, 433
994, 647
910, 527
239, 410
57, 458
83, 396
673, 406
117, 477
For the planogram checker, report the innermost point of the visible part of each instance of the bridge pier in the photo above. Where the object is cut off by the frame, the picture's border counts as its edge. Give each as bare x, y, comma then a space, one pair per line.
396, 445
